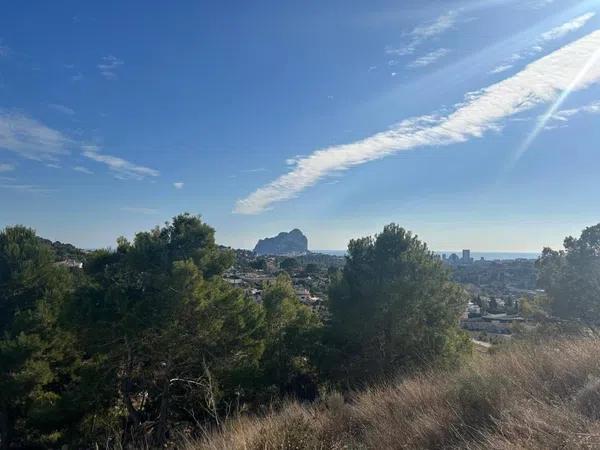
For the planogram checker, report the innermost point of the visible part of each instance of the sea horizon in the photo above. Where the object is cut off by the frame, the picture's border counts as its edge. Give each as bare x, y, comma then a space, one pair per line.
490, 256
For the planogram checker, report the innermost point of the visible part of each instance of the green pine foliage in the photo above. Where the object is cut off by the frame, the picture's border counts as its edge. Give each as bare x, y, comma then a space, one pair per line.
39, 360
292, 332
149, 341
571, 277
393, 308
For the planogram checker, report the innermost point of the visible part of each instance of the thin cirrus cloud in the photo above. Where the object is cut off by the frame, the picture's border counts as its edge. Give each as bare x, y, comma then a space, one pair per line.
560, 118
566, 28
61, 109
429, 58
501, 68
83, 170
178, 185
541, 82
550, 35
31, 139
108, 66
425, 32
121, 168
5, 167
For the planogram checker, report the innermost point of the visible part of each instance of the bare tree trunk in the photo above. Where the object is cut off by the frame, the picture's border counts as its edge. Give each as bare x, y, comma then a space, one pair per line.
126, 394
125, 389
210, 395
161, 427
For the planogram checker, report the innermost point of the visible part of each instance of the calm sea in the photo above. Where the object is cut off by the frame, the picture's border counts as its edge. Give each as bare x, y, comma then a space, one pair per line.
490, 256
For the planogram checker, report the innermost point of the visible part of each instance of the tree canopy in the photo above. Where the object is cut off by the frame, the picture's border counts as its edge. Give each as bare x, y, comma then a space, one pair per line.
38, 360
292, 331
571, 277
180, 338
393, 308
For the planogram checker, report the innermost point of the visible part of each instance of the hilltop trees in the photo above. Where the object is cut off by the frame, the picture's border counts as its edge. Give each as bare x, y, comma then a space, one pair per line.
149, 338
571, 277
175, 341
38, 361
393, 308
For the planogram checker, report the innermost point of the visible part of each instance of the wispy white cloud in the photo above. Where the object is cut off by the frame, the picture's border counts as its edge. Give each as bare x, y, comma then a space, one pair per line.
77, 77
539, 83
560, 119
137, 210
424, 32
501, 68
568, 27
551, 35
31, 139
429, 58
61, 109
120, 167
83, 170
108, 66
4, 167
437, 27
509, 63
178, 185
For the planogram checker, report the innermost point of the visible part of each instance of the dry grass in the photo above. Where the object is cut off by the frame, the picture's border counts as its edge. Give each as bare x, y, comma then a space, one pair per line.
526, 397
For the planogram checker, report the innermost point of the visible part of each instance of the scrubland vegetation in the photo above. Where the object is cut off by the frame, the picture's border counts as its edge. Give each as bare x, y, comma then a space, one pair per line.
543, 395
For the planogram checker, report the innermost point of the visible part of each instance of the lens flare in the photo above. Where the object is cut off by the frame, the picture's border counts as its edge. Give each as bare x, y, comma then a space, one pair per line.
544, 118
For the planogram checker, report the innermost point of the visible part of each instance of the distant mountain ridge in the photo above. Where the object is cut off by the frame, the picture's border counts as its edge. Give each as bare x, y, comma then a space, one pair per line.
292, 243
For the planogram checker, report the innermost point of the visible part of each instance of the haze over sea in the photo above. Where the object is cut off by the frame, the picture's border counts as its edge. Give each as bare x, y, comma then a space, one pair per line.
489, 256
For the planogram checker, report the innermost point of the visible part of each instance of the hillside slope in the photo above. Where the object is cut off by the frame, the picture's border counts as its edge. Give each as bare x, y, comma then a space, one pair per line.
535, 396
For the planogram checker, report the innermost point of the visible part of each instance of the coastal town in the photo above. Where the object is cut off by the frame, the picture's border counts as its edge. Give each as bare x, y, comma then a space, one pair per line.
310, 274
500, 292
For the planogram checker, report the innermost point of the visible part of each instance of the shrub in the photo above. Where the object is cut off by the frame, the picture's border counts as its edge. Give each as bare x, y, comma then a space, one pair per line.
532, 395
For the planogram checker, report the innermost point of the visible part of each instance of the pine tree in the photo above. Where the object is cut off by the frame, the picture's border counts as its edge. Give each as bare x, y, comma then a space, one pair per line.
393, 309
38, 359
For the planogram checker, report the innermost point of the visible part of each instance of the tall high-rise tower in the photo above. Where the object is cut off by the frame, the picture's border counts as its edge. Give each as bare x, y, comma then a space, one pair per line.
466, 256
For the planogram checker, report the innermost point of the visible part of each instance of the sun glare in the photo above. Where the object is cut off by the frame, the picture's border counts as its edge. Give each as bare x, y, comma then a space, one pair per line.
544, 118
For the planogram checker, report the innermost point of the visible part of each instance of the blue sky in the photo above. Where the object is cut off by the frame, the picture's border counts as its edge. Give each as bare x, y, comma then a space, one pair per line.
474, 124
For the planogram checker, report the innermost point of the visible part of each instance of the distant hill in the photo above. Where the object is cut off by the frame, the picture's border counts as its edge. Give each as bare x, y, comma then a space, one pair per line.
292, 243
64, 251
